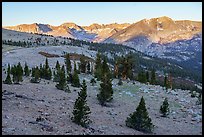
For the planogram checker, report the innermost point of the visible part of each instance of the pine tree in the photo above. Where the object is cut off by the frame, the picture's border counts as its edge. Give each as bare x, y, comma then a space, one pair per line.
57, 73
62, 80
106, 91
68, 63
47, 73
49, 77
82, 64
147, 76
8, 78
88, 67
57, 66
41, 71
98, 71
81, 109
140, 119
26, 70
75, 79
56, 76
75, 68
164, 109
105, 68
79, 68
46, 64
36, 78
69, 78
33, 72
17, 72
153, 77
129, 66
124, 67
142, 77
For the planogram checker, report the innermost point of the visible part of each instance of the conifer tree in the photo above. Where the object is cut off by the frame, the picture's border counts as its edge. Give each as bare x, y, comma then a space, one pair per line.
49, 76
129, 66
17, 72
81, 109
57, 73
105, 68
75, 69
153, 77
62, 80
75, 79
47, 73
166, 83
26, 70
82, 64
68, 63
142, 77
41, 71
69, 78
57, 66
124, 67
33, 72
140, 119
88, 67
36, 78
79, 68
164, 109
147, 76
106, 91
8, 78
46, 64
98, 65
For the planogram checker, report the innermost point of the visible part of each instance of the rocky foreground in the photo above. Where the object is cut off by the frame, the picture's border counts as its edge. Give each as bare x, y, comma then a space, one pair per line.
41, 109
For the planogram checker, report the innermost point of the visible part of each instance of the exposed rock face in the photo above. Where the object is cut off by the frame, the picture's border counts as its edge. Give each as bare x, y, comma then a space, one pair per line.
94, 32
158, 30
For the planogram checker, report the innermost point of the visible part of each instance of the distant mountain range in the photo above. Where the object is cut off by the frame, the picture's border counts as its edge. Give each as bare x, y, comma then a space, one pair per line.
158, 37
94, 32
158, 30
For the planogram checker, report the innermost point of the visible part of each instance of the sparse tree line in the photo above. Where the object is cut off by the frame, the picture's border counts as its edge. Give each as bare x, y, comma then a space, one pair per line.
17, 43
64, 75
155, 63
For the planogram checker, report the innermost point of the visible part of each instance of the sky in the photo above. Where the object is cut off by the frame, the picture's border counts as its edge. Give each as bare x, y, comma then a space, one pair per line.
87, 13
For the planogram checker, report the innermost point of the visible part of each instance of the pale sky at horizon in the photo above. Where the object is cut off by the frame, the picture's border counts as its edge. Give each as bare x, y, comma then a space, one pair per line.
87, 13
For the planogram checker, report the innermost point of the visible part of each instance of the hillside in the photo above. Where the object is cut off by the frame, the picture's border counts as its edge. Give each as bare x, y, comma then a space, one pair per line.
179, 41
177, 59
25, 102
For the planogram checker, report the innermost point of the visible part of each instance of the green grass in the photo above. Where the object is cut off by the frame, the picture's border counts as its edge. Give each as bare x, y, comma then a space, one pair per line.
127, 88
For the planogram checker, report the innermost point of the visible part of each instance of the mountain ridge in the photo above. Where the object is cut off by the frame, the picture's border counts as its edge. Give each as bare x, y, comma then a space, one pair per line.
160, 30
